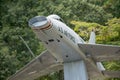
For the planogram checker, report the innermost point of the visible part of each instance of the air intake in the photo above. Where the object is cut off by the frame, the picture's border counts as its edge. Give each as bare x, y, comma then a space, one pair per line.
38, 22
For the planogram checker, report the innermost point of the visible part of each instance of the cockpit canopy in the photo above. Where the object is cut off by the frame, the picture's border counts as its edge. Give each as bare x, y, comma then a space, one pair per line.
54, 16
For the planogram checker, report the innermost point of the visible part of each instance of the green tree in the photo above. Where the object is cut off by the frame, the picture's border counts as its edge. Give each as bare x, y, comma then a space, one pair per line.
14, 18
108, 34
112, 6
14, 23
84, 28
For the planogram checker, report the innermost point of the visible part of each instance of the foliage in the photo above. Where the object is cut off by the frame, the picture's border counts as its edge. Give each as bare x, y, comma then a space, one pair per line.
108, 34
87, 14
13, 24
53, 76
112, 6
84, 28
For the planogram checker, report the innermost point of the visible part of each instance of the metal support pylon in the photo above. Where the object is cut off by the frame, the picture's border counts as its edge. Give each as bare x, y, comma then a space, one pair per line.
75, 71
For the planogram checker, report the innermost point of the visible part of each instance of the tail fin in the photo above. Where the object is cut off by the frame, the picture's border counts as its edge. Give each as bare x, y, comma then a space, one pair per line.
92, 38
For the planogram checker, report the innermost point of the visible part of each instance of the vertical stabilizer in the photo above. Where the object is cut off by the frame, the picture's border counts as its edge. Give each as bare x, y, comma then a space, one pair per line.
92, 38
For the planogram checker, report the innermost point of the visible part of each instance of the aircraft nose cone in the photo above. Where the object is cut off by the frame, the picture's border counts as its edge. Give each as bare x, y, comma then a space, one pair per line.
38, 22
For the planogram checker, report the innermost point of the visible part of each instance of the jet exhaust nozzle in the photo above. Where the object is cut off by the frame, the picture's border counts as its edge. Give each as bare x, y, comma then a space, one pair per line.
39, 22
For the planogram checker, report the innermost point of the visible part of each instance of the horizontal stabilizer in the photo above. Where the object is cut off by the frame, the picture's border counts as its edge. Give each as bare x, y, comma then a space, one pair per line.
111, 74
41, 65
101, 52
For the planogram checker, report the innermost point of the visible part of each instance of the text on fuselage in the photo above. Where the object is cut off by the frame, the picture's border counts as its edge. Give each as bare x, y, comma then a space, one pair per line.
66, 33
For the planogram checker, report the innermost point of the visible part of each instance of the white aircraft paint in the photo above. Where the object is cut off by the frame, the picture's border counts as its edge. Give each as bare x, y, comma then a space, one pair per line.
65, 47
62, 43
59, 39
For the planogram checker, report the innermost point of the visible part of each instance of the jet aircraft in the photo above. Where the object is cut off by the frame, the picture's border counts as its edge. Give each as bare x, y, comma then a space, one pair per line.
65, 46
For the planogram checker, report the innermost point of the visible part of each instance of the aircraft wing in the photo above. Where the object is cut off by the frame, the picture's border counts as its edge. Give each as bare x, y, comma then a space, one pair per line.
41, 65
101, 52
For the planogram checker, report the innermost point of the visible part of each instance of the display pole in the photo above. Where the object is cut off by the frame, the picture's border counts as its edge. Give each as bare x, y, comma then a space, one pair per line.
75, 71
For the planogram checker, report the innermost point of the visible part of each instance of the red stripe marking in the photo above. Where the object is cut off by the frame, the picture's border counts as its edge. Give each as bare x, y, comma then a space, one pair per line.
45, 28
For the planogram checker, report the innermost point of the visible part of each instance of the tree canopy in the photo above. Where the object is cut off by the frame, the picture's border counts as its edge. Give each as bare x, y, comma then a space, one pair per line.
81, 15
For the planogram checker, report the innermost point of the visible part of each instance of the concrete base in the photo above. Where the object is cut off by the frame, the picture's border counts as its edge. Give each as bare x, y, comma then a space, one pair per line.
75, 71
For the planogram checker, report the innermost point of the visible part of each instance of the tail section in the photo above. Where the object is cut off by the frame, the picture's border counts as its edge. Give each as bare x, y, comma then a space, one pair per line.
92, 38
